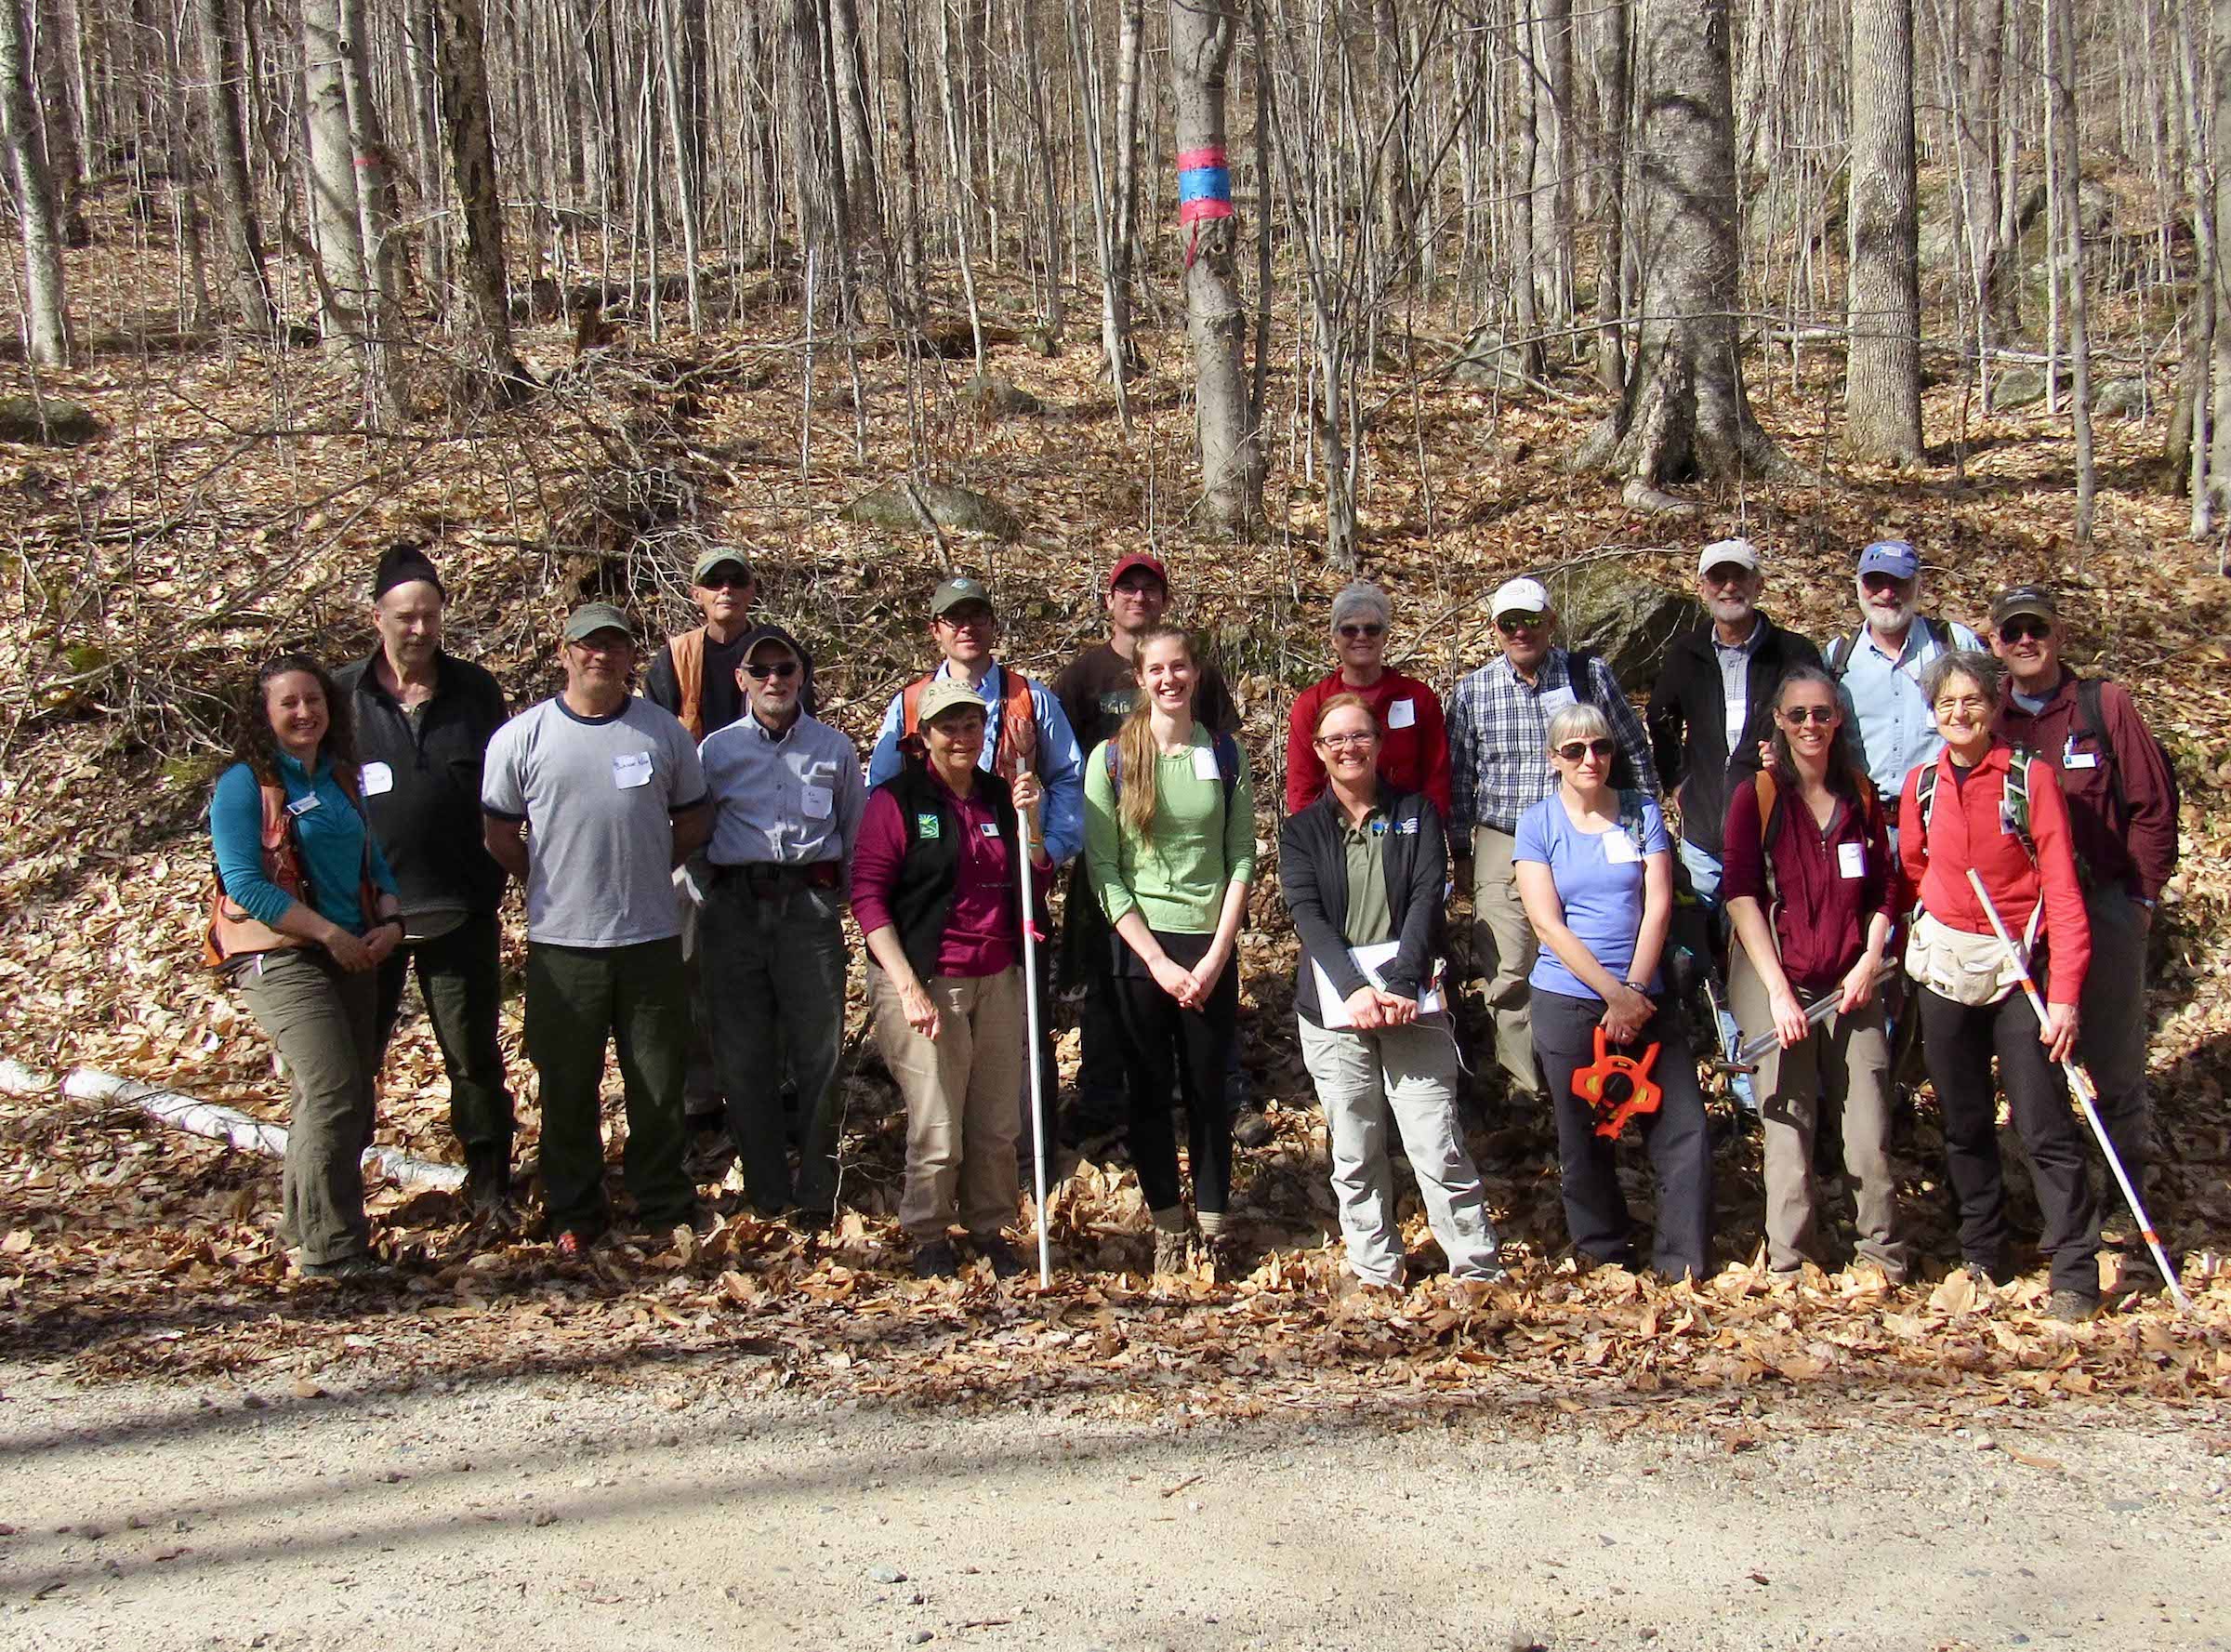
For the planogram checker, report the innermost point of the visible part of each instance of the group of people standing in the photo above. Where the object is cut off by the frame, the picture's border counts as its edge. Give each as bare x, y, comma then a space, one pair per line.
687, 857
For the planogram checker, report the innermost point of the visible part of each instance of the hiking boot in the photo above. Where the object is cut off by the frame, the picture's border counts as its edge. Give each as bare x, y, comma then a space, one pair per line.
995, 1251
1173, 1253
348, 1269
2070, 1307
935, 1258
487, 1190
1228, 1257
1251, 1128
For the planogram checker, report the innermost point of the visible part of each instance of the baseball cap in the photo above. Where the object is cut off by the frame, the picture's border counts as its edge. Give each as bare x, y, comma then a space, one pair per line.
941, 698
953, 593
714, 558
1720, 553
1518, 596
1139, 559
2024, 598
1896, 558
591, 617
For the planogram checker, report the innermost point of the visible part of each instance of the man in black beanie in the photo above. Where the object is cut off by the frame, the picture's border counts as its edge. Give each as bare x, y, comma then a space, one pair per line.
424, 719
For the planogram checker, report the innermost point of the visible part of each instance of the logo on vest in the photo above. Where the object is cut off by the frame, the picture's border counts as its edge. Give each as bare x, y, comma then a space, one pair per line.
926, 825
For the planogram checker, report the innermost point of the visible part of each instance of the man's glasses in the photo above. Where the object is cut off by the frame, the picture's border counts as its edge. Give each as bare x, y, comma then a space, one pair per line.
1511, 624
1572, 752
1357, 633
967, 618
1798, 716
725, 582
2023, 630
782, 669
1342, 742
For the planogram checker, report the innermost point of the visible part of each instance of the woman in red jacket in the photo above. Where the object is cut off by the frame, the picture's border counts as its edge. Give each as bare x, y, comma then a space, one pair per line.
1986, 807
1413, 752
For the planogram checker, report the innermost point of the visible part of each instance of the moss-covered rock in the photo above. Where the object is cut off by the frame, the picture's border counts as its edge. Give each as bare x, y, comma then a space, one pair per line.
47, 421
1630, 621
955, 508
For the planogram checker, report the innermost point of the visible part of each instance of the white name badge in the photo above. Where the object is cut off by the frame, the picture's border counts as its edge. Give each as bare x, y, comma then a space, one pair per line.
376, 778
630, 770
1851, 859
815, 801
1553, 701
1401, 714
1204, 763
990, 828
2073, 759
1618, 848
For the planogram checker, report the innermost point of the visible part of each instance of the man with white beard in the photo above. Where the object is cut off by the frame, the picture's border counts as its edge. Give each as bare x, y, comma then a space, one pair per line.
1881, 668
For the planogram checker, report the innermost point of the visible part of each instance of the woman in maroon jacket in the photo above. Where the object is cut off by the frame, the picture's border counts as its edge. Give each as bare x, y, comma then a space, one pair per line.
1814, 894
1983, 806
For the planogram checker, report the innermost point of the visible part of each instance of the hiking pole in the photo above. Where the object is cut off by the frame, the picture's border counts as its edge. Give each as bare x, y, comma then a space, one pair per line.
2087, 1097
1818, 1010
1030, 1053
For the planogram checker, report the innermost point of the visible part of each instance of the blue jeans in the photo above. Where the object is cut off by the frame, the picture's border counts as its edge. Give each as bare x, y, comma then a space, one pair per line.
1704, 881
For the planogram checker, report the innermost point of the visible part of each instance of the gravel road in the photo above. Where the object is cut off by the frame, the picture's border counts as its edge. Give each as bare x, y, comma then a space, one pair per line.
531, 1512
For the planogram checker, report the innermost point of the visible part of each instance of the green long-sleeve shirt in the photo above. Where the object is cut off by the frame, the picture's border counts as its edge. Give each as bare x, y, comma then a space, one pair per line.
1175, 878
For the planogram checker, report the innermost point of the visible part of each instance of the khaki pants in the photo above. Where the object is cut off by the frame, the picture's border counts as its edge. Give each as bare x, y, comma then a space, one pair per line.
1504, 946
1844, 1060
324, 1020
961, 1099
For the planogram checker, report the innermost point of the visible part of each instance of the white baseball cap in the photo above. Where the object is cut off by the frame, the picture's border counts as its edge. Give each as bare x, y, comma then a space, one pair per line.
1720, 552
1518, 596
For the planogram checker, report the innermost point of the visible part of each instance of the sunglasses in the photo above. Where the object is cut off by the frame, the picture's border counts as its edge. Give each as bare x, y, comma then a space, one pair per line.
2022, 630
782, 669
1798, 716
1511, 624
1355, 633
1572, 752
725, 582
1341, 742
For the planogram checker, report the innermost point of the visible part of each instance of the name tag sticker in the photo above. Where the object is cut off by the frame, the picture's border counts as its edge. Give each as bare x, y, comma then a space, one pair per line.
2073, 759
1553, 701
1204, 763
990, 828
927, 826
302, 806
2006, 819
631, 769
815, 801
1851, 860
1618, 848
1401, 714
377, 778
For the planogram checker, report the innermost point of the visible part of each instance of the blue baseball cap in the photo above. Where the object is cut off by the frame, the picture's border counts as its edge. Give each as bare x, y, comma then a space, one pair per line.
1896, 558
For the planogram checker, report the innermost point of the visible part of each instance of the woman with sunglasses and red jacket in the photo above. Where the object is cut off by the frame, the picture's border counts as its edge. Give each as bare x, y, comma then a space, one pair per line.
1413, 753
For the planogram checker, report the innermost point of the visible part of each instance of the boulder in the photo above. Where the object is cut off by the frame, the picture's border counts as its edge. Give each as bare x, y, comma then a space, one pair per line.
955, 508
2017, 387
996, 396
45, 421
1486, 363
1606, 607
2120, 398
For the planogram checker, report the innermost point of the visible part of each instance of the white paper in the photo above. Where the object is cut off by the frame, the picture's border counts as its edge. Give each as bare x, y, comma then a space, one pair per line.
1851, 860
1619, 849
1332, 1008
1204, 763
630, 770
376, 778
1553, 701
1401, 714
815, 803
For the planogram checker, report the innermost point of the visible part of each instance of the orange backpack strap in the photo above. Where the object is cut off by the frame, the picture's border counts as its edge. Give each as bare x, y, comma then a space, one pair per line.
1018, 728
687, 651
1766, 789
230, 934
910, 705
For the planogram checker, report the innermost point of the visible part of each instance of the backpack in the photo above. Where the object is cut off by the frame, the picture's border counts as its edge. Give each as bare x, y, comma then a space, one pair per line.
2013, 800
1015, 740
1838, 655
1227, 764
1581, 676
231, 936
1768, 791
2091, 721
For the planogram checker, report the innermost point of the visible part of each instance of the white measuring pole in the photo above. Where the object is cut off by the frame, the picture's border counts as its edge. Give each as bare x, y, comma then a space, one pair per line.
1030, 1054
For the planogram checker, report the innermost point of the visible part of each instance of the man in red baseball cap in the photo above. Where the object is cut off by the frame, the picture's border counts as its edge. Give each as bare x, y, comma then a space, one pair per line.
1096, 689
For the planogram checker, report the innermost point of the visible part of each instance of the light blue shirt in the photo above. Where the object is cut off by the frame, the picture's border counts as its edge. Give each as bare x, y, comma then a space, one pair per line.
1735, 682
1599, 878
1882, 698
1060, 766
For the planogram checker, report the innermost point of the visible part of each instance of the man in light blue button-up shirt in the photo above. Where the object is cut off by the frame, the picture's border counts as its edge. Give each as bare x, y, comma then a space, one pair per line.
1881, 667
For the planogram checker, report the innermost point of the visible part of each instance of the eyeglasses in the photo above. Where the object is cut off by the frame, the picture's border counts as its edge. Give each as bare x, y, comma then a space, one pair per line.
2024, 630
780, 668
1356, 633
723, 582
966, 618
1798, 716
1511, 624
1572, 752
1972, 705
1342, 742
1724, 575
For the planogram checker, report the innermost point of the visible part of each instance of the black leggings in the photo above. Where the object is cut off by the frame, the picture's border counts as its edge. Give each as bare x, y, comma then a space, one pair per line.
1165, 1045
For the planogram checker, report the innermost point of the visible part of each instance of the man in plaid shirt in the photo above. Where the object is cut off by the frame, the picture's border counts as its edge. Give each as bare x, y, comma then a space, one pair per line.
1499, 768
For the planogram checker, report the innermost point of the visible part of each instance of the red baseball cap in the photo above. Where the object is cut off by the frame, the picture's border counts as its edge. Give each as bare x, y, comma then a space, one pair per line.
1139, 559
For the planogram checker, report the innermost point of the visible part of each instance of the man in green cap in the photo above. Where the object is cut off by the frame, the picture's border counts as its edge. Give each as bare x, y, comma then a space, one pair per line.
590, 800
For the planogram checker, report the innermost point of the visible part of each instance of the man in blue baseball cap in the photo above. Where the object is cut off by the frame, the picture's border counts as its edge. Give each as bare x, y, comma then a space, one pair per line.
1879, 667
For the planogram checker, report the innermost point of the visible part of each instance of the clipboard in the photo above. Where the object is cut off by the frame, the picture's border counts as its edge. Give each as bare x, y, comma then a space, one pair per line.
1371, 963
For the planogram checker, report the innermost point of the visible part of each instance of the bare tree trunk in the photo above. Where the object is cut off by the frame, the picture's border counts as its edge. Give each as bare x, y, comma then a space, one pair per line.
846, 47
460, 54
2061, 70
60, 141
46, 316
347, 302
374, 171
1215, 315
1130, 81
1396, 217
252, 298
1612, 94
1114, 301
1882, 393
1526, 249
1041, 131
1685, 415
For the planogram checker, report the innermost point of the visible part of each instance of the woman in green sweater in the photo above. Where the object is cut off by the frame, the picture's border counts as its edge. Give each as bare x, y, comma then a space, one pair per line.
1169, 847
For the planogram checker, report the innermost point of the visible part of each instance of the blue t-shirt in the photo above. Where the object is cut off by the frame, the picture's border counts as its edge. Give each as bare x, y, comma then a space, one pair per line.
1599, 878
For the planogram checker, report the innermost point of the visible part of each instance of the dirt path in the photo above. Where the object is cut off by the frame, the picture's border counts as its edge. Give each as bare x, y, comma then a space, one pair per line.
531, 1512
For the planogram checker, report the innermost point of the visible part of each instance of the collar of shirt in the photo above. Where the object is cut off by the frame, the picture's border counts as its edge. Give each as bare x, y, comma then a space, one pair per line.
1374, 824
771, 736
1750, 645
1550, 674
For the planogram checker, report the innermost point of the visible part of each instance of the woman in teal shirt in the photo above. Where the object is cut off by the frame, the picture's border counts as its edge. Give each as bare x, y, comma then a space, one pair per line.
307, 911
1169, 847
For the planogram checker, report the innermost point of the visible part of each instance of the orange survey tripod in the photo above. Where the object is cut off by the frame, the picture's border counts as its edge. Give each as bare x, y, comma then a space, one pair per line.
1618, 1087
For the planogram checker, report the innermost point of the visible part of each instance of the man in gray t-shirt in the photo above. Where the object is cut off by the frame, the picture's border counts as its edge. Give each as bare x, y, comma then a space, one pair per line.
590, 800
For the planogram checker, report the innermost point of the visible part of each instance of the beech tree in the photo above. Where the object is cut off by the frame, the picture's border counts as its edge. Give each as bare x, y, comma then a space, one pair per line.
1882, 394
496, 366
46, 320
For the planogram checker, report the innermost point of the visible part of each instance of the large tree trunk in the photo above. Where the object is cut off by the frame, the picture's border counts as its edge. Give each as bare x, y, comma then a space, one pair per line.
45, 311
460, 55
1216, 316
1882, 393
61, 140
1610, 131
252, 298
1396, 238
2069, 172
848, 50
348, 303
1685, 415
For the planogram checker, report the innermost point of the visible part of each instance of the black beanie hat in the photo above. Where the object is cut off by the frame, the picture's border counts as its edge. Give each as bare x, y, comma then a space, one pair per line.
402, 565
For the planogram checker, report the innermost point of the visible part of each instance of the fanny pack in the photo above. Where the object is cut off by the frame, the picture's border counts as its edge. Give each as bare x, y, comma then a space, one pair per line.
1955, 964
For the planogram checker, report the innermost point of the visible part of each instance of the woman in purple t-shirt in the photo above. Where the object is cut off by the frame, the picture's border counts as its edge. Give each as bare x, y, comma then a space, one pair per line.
1595, 870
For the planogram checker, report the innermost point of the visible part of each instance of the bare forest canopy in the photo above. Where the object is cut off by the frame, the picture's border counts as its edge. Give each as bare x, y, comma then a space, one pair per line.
565, 290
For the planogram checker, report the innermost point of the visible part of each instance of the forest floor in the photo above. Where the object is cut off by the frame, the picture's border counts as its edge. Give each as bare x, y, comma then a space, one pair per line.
231, 506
